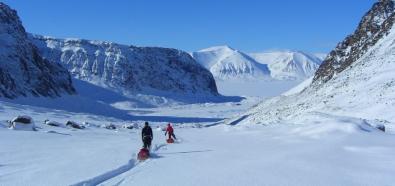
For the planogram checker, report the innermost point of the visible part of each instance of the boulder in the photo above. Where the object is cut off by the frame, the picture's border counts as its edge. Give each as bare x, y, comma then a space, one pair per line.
75, 125
110, 126
381, 127
22, 123
128, 126
52, 123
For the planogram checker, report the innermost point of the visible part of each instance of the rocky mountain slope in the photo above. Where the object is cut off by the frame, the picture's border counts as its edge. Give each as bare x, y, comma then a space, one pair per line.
129, 69
357, 79
374, 25
23, 71
227, 63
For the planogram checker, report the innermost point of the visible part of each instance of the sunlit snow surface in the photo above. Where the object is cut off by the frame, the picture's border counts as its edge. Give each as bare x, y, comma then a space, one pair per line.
316, 150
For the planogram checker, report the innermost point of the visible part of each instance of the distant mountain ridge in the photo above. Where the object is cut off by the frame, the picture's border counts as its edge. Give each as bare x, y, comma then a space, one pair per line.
288, 64
228, 63
225, 62
129, 69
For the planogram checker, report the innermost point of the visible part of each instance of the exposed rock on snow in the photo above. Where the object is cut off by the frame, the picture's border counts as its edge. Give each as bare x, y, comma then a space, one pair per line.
109, 126
75, 125
23, 71
22, 123
374, 25
129, 69
131, 126
128, 126
52, 123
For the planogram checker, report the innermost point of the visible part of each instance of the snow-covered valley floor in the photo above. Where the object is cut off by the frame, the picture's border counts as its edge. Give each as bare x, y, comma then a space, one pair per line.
318, 149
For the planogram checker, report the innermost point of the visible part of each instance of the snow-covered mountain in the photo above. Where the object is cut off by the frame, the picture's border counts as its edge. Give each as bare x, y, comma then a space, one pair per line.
225, 63
129, 69
289, 65
357, 78
23, 71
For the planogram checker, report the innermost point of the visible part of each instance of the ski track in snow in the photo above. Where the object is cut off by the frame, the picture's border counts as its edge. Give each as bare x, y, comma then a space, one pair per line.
132, 163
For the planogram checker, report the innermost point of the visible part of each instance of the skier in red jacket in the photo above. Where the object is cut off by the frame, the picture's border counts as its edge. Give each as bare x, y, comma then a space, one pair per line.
170, 131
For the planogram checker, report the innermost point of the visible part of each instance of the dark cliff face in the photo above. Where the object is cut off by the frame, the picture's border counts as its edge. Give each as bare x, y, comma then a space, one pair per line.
23, 71
374, 25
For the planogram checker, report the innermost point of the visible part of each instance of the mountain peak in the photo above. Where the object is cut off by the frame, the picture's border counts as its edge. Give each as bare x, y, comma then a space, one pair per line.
225, 62
216, 48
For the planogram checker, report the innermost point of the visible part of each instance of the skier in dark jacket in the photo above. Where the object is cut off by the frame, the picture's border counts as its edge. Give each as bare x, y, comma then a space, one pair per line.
146, 136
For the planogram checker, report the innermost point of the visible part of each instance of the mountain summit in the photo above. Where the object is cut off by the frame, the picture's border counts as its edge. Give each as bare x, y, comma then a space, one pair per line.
228, 63
225, 63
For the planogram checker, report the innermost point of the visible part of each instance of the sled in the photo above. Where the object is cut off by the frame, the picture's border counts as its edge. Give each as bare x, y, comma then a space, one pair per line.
170, 140
143, 154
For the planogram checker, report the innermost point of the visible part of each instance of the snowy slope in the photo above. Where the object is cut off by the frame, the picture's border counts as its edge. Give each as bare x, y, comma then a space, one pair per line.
339, 153
23, 71
365, 88
289, 65
227, 63
332, 151
129, 69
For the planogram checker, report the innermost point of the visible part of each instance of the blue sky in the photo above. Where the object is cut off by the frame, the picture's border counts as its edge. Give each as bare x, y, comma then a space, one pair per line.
247, 25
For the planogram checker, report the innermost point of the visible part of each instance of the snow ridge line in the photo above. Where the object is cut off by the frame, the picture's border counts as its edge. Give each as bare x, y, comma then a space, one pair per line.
115, 172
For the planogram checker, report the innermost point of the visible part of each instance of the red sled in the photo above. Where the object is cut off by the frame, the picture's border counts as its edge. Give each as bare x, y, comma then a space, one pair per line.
170, 140
143, 154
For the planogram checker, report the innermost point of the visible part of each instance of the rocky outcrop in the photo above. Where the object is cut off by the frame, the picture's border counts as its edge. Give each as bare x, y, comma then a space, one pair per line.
357, 80
23, 71
374, 25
